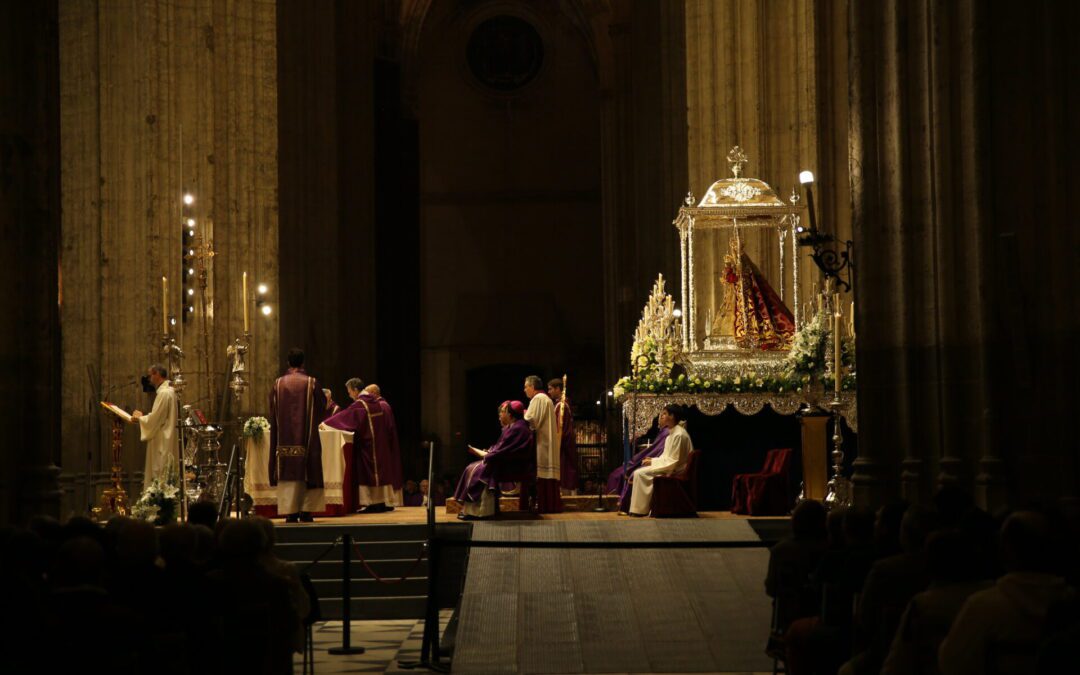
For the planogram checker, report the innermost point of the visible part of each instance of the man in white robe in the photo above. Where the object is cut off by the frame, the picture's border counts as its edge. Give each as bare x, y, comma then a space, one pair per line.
158, 427
676, 453
541, 418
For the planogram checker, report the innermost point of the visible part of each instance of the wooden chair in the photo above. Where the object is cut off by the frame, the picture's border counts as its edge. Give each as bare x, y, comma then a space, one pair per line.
677, 495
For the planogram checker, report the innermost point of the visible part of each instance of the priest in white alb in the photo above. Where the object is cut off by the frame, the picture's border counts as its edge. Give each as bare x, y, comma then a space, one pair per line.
158, 427
541, 418
676, 453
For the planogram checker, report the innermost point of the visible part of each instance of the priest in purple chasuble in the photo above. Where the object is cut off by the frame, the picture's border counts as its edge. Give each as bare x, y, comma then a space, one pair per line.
511, 456
541, 418
297, 406
617, 479
376, 455
564, 425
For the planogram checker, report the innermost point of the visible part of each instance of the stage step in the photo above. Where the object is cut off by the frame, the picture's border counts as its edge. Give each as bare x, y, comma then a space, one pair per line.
574, 504
389, 549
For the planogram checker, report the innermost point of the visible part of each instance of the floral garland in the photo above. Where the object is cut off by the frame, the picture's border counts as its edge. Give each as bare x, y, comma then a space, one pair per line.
807, 362
255, 427
159, 502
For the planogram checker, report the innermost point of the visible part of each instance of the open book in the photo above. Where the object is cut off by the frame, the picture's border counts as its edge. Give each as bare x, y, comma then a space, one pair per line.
477, 451
117, 410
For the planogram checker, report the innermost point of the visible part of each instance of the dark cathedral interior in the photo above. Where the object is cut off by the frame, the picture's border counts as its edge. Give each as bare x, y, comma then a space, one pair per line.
442, 198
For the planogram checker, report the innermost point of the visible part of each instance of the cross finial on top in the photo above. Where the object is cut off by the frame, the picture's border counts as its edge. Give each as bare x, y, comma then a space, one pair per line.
737, 158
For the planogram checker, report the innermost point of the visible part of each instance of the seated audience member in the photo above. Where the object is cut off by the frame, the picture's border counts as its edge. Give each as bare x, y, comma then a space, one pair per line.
887, 528
203, 513
1003, 625
954, 576
676, 453
255, 604
888, 588
411, 494
792, 560
284, 569
616, 481
513, 454
822, 643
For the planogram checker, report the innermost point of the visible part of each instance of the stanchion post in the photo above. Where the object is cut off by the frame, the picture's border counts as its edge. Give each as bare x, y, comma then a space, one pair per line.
346, 599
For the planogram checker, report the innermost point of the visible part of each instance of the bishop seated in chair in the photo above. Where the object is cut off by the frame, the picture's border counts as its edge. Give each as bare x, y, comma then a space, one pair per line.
512, 457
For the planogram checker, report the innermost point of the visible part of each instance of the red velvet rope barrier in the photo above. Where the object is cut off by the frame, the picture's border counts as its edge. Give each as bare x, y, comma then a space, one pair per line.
363, 561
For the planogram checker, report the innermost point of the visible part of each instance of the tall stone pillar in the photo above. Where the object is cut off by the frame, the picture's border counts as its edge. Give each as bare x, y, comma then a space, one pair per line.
30, 227
159, 98
921, 223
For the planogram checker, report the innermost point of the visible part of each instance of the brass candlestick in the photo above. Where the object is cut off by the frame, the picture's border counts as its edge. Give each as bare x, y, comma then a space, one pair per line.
114, 499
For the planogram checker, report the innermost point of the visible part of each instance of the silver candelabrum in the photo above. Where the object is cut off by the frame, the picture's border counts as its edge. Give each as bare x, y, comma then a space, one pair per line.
839, 488
239, 384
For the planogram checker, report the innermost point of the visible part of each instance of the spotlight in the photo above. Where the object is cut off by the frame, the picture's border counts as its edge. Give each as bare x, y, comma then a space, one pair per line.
191, 271
191, 222
677, 313
610, 393
191, 309
806, 177
598, 403
191, 291
266, 310
189, 199
172, 320
262, 289
191, 233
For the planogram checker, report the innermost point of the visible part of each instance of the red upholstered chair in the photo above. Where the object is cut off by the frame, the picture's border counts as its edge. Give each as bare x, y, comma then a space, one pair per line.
764, 493
677, 495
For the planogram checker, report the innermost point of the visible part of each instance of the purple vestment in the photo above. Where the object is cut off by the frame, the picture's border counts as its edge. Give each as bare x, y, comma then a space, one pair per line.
512, 455
376, 454
297, 406
617, 479
568, 457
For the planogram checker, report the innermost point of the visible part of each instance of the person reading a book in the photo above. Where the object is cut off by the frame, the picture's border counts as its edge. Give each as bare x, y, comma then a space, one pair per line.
512, 455
158, 427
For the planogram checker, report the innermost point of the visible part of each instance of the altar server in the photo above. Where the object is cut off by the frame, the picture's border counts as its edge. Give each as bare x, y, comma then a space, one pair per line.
297, 406
512, 455
564, 423
376, 454
541, 418
676, 453
158, 428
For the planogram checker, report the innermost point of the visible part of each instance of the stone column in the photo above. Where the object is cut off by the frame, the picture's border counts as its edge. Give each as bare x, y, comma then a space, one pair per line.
157, 98
921, 224
30, 225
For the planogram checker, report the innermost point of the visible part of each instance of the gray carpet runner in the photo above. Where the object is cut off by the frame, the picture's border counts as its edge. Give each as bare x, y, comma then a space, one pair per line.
614, 611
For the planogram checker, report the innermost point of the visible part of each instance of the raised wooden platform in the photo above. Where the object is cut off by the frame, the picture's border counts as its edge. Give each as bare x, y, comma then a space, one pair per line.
416, 515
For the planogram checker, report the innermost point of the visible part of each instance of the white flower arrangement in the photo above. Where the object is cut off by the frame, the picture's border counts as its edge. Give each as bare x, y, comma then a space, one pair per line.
255, 427
159, 502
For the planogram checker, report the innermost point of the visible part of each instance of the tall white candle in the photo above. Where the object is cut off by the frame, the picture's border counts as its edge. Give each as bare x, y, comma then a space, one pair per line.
836, 343
244, 299
164, 306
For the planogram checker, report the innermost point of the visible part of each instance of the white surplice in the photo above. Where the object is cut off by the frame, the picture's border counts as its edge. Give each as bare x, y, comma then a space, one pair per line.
676, 452
541, 418
158, 429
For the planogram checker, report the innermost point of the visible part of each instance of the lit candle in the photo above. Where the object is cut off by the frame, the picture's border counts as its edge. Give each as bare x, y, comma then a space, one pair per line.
836, 343
164, 306
243, 297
